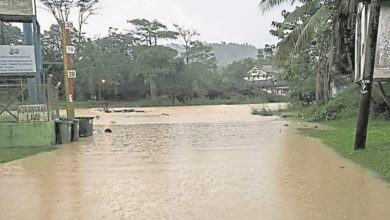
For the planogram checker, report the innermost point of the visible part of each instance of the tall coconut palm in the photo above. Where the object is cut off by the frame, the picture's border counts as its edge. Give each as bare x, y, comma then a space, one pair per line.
309, 19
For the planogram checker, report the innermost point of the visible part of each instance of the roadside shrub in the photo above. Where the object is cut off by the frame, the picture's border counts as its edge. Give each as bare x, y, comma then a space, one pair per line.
330, 111
344, 105
381, 111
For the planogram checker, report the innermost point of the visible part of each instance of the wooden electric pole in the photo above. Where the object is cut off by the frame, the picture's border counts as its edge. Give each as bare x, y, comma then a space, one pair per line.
69, 73
368, 74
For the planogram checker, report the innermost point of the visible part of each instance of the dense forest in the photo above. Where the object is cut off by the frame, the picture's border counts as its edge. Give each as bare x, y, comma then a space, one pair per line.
314, 56
134, 64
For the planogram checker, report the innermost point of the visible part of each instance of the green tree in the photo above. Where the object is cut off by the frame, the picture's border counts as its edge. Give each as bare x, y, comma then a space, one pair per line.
154, 63
200, 52
263, 58
305, 29
149, 32
234, 74
186, 35
86, 9
10, 34
109, 58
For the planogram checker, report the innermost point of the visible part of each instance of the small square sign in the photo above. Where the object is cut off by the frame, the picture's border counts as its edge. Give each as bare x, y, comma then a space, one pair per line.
70, 49
68, 25
72, 74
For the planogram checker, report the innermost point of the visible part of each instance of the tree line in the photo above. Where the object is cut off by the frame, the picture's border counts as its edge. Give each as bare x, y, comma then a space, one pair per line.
131, 65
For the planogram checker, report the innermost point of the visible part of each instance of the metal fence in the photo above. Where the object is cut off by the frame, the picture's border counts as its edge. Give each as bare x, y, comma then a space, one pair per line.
23, 101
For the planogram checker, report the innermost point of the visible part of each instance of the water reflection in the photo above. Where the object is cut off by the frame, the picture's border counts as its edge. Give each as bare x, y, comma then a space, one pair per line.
206, 162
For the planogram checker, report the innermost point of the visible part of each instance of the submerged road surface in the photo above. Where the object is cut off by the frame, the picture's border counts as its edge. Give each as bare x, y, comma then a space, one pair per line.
206, 162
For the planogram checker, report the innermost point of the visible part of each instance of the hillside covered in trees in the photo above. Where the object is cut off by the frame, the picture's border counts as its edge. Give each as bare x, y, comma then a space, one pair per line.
225, 53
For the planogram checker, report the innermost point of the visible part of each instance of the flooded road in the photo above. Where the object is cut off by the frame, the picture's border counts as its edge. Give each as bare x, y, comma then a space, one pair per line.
205, 162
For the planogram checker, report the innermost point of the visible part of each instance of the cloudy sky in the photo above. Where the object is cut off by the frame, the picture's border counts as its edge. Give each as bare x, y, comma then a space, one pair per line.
238, 21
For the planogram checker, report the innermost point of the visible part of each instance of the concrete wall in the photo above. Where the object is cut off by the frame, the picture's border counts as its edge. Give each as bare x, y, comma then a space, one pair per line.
37, 134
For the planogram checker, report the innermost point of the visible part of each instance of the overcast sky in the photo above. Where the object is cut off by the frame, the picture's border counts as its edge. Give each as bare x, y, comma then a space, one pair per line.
238, 21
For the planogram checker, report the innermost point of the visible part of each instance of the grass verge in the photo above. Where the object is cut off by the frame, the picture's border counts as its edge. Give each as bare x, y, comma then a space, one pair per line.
14, 153
339, 115
340, 137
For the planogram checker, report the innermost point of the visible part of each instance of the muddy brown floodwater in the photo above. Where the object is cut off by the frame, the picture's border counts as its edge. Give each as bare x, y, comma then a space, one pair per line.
206, 162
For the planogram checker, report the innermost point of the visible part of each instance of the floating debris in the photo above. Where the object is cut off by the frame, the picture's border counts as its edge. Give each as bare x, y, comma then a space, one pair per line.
128, 110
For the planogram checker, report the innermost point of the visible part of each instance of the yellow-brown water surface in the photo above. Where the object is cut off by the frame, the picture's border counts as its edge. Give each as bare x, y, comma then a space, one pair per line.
205, 162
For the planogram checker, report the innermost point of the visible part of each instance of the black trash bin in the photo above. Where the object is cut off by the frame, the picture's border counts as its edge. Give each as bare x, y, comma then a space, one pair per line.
75, 129
86, 126
63, 131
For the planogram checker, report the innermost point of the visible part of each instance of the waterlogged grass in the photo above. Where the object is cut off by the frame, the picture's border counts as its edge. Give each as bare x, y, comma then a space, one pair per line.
14, 153
262, 111
340, 136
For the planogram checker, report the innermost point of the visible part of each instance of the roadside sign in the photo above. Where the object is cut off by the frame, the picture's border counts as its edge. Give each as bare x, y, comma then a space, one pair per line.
17, 59
27, 113
70, 49
72, 74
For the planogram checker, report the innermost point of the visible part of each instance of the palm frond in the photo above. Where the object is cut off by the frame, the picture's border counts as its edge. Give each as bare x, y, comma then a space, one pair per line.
287, 45
309, 8
298, 38
266, 5
320, 17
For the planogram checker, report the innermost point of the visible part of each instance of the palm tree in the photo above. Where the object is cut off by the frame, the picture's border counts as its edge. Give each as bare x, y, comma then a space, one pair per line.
305, 24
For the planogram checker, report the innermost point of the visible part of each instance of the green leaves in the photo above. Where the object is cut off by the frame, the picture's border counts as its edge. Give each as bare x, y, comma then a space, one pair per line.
266, 5
199, 52
149, 32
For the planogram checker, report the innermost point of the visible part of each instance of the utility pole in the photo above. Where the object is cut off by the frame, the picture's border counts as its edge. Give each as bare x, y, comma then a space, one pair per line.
368, 74
69, 72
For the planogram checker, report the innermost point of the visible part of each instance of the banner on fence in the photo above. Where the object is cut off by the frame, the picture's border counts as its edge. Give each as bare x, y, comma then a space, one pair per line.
17, 59
27, 113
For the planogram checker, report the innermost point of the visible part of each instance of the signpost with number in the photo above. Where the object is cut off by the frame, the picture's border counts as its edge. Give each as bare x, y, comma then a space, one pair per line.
72, 74
69, 72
